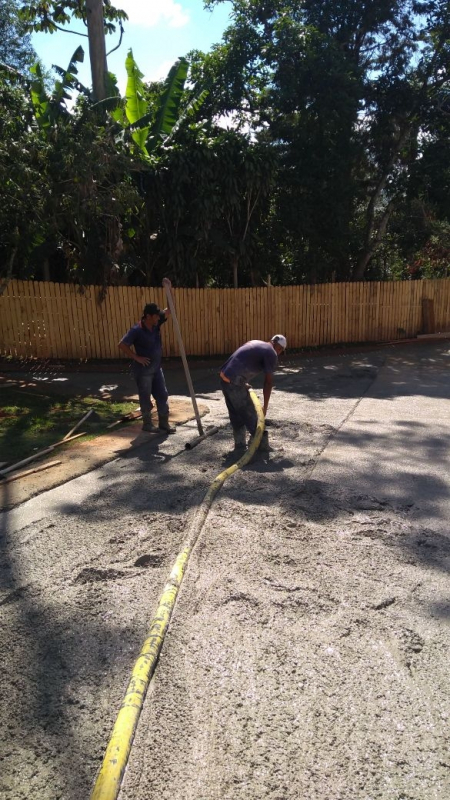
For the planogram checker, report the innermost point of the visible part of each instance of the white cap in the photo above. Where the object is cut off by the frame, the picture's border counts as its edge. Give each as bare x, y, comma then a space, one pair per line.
279, 339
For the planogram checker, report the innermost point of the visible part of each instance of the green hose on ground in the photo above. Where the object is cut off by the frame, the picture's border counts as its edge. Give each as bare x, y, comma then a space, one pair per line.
107, 785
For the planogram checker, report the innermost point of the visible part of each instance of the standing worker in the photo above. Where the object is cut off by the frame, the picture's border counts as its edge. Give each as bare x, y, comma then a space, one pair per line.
145, 337
246, 362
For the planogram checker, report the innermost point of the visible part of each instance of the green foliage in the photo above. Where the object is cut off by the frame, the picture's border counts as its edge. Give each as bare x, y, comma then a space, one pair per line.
33, 422
169, 108
136, 105
16, 50
23, 189
343, 92
49, 15
49, 108
336, 163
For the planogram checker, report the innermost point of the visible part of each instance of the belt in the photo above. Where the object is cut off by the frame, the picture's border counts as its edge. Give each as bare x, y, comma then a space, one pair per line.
224, 377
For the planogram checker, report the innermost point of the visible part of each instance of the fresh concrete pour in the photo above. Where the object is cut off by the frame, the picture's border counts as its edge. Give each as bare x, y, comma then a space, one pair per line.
308, 652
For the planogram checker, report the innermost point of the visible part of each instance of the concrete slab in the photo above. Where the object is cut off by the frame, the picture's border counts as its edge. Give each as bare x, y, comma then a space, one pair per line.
395, 445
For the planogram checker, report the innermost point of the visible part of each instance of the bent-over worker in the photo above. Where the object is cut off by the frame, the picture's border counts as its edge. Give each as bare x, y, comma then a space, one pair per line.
145, 337
246, 362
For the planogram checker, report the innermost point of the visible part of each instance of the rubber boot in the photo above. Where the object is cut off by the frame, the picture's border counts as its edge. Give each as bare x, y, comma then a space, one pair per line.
239, 435
264, 447
164, 425
148, 426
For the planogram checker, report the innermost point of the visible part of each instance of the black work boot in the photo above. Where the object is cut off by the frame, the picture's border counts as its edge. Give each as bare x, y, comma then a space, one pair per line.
164, 425
239, 435
148, 426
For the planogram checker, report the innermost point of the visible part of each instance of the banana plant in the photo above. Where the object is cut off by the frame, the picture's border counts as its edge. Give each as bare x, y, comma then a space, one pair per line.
49, 108
147, 128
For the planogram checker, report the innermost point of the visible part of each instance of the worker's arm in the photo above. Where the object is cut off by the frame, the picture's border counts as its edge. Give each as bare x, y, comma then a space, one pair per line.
131, 354
267, 390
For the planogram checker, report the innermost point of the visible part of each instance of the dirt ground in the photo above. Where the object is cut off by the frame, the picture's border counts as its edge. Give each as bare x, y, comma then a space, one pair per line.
82, 456
308, 655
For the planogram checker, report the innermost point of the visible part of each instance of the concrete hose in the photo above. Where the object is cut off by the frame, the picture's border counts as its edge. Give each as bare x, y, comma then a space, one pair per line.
108, 783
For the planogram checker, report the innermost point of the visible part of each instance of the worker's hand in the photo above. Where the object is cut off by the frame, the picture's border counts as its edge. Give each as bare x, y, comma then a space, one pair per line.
142, 360
167, 282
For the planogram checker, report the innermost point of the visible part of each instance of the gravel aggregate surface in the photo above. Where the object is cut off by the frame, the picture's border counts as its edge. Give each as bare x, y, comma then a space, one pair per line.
308, 654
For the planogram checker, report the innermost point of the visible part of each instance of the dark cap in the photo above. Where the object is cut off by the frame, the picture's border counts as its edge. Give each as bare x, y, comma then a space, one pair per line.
151, 308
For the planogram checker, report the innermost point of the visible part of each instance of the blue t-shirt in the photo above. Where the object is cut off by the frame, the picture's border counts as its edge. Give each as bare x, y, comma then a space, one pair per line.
146, 342
250, 359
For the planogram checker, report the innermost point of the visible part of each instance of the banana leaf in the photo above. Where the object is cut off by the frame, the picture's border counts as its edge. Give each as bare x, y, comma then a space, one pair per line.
136, 105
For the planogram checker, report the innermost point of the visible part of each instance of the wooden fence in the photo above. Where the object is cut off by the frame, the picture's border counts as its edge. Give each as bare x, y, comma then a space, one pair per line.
51, 320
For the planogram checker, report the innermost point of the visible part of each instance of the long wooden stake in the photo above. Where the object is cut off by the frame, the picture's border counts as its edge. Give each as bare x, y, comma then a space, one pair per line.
30, 471
38, 454
166, 284
91, 411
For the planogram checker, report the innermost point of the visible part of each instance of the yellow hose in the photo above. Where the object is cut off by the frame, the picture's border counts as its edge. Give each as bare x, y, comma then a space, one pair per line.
107, 785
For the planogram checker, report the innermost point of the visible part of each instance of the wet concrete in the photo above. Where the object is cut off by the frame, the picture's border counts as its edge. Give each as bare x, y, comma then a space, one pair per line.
308, 654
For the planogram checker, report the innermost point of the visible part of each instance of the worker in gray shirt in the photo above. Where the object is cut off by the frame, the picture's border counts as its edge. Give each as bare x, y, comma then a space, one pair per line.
247, 361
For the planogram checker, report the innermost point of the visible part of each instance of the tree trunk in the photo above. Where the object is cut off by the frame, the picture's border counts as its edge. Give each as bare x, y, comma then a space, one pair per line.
11, 260
97, 47
368, 252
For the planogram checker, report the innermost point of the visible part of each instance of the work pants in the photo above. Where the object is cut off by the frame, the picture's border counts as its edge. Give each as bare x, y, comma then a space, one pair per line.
240, 407
151, 382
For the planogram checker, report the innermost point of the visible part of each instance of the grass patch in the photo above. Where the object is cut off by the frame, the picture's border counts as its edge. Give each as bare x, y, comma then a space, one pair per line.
33, 422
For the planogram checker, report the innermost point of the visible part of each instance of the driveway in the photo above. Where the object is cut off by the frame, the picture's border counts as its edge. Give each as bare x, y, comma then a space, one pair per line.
308, 653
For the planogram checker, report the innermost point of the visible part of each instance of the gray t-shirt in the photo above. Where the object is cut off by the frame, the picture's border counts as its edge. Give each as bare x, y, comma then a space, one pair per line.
250, 359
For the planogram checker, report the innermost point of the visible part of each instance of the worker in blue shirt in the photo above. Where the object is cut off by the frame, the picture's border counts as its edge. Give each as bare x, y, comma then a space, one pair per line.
145, 337
246, 362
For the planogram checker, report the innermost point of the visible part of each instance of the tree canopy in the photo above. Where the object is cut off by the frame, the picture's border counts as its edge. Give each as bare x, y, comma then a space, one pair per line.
311, 144
16, 50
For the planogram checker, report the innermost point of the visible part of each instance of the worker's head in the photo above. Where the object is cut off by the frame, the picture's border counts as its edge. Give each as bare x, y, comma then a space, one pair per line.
150, 314
279, 343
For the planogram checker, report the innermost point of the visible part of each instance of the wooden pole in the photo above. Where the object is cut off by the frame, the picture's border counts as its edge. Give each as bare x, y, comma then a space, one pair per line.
38, 454
167, 285
30, 471
68, 435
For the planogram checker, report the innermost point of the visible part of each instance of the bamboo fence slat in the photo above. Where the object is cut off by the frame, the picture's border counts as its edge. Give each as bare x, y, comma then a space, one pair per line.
325, 312
23, 319
91, 314
328, 321
15, 321
87, 328
66, 291
321, 311
121, 319
77, 322
57, 333
348, 313
358, 311
54, 311
35, 343
116, 332
306, 325
70, 303
66, 332
50, 320
198, 312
